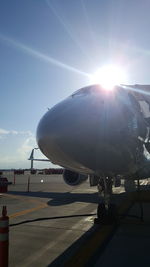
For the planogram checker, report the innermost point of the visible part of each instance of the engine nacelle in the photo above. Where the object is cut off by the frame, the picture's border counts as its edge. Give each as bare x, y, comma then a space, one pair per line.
73, 178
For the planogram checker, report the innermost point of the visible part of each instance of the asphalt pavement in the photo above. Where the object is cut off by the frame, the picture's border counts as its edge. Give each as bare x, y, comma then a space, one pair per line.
51, 224
48, 219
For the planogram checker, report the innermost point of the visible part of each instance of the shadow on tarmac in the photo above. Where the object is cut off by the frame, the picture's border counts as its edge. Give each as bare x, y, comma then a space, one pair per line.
59, 199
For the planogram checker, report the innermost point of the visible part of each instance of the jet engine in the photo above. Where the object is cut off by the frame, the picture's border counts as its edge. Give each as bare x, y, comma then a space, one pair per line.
73, 178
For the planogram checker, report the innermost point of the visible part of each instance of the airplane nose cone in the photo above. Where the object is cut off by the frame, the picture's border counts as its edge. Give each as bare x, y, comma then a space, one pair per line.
41, 134
45, 134
50, 134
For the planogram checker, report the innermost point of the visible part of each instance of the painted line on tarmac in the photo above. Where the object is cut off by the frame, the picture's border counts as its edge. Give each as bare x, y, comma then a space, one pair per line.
20, 213
35, 256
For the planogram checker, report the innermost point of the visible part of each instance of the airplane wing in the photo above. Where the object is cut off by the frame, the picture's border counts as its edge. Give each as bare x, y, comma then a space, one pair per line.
39, 159
32, 157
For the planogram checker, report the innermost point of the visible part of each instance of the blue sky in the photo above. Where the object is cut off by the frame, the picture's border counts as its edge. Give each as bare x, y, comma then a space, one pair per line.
47, 48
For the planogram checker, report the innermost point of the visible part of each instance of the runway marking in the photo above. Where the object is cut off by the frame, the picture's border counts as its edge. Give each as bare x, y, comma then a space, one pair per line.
41, 205
37, 254
20, 213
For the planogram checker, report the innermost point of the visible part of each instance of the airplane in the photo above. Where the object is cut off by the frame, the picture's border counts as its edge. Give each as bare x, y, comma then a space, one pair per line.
101, 134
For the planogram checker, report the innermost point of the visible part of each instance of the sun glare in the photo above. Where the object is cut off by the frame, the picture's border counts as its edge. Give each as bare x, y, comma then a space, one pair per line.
109, 76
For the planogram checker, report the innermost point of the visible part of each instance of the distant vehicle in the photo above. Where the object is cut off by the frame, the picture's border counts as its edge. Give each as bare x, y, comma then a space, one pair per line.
101, 134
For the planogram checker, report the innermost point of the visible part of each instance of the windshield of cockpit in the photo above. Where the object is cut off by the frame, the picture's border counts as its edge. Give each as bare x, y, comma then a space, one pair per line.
85, 91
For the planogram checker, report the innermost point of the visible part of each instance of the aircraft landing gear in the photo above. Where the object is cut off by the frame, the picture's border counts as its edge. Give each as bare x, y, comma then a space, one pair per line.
106, 211
106, 215
101, 211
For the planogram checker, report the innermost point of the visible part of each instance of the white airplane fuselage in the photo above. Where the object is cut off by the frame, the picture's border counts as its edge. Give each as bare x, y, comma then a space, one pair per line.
95, 131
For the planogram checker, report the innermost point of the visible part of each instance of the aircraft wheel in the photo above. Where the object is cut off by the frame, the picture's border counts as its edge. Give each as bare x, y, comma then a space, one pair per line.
101, 214
112, 213
101, 211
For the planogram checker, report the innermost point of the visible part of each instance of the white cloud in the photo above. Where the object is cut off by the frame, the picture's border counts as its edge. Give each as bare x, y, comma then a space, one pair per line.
13, 132
26, 147
26, 132
3, 131
16, 147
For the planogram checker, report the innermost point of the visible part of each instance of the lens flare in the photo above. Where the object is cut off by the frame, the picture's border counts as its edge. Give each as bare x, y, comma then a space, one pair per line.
109, 76
41, 56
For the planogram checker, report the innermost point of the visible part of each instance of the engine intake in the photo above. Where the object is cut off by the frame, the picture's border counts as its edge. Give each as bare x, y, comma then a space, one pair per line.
73, 178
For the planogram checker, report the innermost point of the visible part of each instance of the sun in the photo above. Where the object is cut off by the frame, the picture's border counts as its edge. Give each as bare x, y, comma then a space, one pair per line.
108, 76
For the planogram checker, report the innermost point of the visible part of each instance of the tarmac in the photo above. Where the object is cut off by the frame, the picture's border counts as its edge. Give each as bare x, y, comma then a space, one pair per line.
45, 221
130, 244
52, 225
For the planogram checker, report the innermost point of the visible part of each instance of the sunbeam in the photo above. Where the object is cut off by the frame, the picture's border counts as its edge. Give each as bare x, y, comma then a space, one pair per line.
40, 55
134, 89
89, 26
68, 29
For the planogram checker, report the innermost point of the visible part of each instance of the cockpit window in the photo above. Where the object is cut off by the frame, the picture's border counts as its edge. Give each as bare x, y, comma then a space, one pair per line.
85, 91
82, 91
